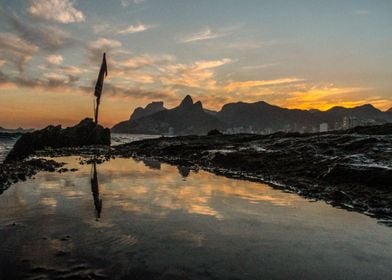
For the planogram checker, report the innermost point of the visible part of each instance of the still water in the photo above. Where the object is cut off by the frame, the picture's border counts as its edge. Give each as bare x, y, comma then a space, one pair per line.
7, 141
146, 220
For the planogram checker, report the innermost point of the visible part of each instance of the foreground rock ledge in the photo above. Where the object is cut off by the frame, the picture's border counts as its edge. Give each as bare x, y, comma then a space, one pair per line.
83, 134
352, 169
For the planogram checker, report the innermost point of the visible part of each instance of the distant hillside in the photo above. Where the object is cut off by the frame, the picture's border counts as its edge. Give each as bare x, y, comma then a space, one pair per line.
187, 118
150, 109
363, 112
259, 117
15, 130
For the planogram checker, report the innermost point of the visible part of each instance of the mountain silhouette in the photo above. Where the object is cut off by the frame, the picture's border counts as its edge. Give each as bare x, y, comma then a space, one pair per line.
261, 115
150, 109
187, 118
192, 118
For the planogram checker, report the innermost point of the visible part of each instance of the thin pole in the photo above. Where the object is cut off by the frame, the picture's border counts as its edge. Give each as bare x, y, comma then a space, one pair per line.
94, 108
96, 112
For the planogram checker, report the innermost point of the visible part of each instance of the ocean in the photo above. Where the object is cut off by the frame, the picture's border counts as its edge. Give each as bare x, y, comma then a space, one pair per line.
8, 140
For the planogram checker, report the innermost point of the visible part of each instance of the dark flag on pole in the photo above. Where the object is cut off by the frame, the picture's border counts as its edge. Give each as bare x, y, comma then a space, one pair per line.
103, 72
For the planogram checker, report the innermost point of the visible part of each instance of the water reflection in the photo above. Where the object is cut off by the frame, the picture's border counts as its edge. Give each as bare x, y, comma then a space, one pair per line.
152, 163
95, 188
184, 171
159, 226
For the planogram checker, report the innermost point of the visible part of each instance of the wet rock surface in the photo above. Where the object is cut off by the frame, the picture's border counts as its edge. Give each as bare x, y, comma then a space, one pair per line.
11, 173
82, 134
350, 169
14, 171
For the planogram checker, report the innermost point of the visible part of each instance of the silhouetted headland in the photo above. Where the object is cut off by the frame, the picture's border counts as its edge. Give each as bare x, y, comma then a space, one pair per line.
83, 134
258, 117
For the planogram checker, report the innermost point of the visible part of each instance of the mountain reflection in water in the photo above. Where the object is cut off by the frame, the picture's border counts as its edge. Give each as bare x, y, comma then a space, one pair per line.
168, 222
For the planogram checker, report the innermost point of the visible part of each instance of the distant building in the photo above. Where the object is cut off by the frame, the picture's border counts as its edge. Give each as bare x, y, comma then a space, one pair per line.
337, 125
268, 130
323, 127
350, 122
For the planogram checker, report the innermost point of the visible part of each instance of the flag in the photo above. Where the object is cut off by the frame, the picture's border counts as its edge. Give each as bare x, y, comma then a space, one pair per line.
103, 72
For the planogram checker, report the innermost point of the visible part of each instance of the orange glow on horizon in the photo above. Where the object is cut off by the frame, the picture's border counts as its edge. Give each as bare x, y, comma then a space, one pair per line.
37, 108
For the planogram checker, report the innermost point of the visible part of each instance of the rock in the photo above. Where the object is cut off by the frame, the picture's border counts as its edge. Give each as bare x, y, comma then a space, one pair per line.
83, 134
214, 132
12, 172
385, 129
345, 169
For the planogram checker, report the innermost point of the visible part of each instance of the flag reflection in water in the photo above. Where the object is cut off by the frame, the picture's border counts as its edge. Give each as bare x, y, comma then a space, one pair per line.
95, 189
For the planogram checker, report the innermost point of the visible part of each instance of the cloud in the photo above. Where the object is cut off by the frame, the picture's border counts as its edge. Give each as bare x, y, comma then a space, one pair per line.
2, 62
136, 62
205, 34
98, 47
140, 69
55, 10
134, 29
48, 81
16, 50
109, 29
324, 96
249, 45
58, 79
126, 3
259, 66
200, 74
54, 59
104, 43
136, 92
49, 38
260, 83
208, 64
72, 72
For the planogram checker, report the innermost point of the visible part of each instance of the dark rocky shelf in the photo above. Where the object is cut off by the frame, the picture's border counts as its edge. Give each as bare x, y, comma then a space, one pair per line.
350, 169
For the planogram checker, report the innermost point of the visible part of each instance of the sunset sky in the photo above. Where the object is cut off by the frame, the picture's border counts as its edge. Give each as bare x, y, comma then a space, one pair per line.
297, 54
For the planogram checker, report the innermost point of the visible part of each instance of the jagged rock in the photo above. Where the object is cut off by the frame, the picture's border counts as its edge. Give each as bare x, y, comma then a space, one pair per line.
83, 134
214, 132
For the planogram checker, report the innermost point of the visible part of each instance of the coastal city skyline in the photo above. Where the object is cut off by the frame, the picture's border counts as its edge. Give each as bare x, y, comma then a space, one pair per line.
302, 54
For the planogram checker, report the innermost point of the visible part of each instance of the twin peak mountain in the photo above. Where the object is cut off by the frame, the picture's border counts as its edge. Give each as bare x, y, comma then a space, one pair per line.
192, 118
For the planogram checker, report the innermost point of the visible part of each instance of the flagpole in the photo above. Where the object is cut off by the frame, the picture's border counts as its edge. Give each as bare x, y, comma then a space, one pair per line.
103, 72
96, 111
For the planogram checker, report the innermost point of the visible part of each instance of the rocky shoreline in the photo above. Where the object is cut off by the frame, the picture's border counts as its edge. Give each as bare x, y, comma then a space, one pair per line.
13, 172
350, 169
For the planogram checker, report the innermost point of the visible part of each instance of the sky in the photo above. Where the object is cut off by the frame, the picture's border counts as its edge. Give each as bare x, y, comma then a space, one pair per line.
297, 54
